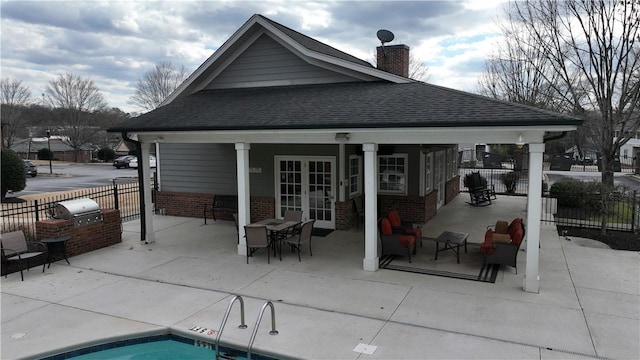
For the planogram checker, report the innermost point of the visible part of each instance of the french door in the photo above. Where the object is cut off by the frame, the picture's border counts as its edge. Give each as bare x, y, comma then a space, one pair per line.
307, 184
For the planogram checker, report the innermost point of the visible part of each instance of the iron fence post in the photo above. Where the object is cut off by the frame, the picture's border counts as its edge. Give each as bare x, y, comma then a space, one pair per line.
116, 204
37, 210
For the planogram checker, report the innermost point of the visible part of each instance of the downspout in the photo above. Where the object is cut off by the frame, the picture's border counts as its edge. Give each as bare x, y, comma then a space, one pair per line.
143, 225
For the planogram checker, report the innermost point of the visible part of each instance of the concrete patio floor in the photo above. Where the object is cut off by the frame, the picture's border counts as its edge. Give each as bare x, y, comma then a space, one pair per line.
588, 305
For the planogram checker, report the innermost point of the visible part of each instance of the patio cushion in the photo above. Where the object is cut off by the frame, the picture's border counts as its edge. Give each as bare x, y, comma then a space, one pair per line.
501, 238
402, 227
407, 241
385, 227
394, 218
502, 227
515, 231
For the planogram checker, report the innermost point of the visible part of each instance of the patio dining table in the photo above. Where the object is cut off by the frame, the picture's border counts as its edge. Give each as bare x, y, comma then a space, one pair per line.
276, 227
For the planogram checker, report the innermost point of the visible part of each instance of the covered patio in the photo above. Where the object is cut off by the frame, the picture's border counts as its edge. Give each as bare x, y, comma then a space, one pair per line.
327, 304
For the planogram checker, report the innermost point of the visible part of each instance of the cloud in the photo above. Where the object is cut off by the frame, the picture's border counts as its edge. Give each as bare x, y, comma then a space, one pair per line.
116, 42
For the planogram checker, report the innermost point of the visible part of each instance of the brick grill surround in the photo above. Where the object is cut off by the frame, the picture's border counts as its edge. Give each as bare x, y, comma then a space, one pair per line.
83, 238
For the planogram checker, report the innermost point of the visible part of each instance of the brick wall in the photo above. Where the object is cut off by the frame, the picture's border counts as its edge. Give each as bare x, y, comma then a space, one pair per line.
192, 205
184, 204
451, 189
262, 207
84, 238
430, 205
345, 215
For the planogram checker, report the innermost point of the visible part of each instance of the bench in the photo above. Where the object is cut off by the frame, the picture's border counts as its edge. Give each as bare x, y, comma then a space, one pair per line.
222, 204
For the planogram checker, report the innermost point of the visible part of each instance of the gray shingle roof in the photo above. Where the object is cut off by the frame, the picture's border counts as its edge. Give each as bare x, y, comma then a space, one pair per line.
348, 105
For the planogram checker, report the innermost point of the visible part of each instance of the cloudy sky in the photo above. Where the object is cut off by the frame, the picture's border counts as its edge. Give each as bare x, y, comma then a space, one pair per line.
115, 42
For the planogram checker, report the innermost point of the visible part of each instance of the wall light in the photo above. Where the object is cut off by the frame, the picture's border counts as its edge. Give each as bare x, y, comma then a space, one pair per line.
342, 137
520, 141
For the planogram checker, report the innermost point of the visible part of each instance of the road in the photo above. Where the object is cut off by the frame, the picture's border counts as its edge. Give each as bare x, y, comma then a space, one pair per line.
69, 176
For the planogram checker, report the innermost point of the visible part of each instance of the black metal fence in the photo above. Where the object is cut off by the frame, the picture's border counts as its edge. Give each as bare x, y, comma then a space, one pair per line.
503, 181
619, 211
122, 195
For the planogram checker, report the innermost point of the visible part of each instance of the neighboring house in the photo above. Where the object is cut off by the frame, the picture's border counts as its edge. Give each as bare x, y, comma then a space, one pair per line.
287, 122
630, 153
28, 149
124, 148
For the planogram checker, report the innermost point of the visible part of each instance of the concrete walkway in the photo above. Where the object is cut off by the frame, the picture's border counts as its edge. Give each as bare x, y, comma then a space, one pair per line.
588, 305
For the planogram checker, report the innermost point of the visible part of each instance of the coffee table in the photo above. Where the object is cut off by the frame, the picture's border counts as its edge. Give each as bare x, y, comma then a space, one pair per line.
452, 241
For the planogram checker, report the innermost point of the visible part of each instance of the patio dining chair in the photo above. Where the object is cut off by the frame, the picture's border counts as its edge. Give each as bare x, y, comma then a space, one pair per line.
301, 237
15, 249
257, 238
291, 215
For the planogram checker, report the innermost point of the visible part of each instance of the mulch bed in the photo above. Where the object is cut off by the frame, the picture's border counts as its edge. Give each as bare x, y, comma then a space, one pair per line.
618, 240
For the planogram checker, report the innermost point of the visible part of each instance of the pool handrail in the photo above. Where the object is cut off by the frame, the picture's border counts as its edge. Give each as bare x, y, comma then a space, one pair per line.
224, 321
255, 329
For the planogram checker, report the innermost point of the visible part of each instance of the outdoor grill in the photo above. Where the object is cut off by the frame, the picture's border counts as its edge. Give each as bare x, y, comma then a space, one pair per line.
82, 211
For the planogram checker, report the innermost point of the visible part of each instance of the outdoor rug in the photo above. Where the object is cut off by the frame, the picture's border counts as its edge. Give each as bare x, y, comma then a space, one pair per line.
470, 266
321, 232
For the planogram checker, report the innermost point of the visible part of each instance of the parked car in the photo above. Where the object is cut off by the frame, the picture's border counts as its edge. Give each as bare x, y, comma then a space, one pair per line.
123, 161
134, 162
31, 169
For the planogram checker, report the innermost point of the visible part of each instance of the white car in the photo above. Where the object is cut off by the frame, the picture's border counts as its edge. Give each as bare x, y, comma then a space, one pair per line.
133, 163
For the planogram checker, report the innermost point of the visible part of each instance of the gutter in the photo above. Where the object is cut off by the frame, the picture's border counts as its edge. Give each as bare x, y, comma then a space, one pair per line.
554, 137
143, 225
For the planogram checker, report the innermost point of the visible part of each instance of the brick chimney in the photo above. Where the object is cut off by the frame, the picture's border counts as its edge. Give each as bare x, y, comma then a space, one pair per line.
393, 59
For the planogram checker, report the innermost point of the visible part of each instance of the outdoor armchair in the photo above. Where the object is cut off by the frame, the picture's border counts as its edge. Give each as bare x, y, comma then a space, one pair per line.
15, 249
395, 244
502, 243
398, 226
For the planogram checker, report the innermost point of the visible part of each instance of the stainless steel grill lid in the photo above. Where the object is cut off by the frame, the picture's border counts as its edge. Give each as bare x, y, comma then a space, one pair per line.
73, 208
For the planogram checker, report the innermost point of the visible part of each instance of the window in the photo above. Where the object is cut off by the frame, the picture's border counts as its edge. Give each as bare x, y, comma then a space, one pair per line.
428, 173
392, 174
452, 162
355, 175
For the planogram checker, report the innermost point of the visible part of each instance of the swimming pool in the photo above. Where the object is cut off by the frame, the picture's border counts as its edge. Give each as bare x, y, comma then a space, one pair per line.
162, 347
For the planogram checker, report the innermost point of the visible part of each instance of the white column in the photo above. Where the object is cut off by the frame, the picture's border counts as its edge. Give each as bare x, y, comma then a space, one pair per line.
342, 182
244, 199
534, 205
143, 160
370, 261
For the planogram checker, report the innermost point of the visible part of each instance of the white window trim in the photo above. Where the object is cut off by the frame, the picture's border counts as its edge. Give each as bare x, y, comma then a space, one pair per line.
358, 176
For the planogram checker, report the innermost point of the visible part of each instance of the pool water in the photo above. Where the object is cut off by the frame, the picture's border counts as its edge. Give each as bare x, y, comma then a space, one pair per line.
156, 350
161, 347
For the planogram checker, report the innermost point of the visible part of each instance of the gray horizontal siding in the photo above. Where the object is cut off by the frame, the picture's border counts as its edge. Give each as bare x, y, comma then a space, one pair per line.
198, 168
267, 63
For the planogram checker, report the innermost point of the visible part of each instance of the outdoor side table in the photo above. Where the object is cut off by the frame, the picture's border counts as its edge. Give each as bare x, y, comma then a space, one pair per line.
452, 241
56, 245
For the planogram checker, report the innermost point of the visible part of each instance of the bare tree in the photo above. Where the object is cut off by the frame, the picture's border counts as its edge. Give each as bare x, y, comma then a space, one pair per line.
157, 84
586, 60
417, 70
77, 100
586, 57
14, 98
